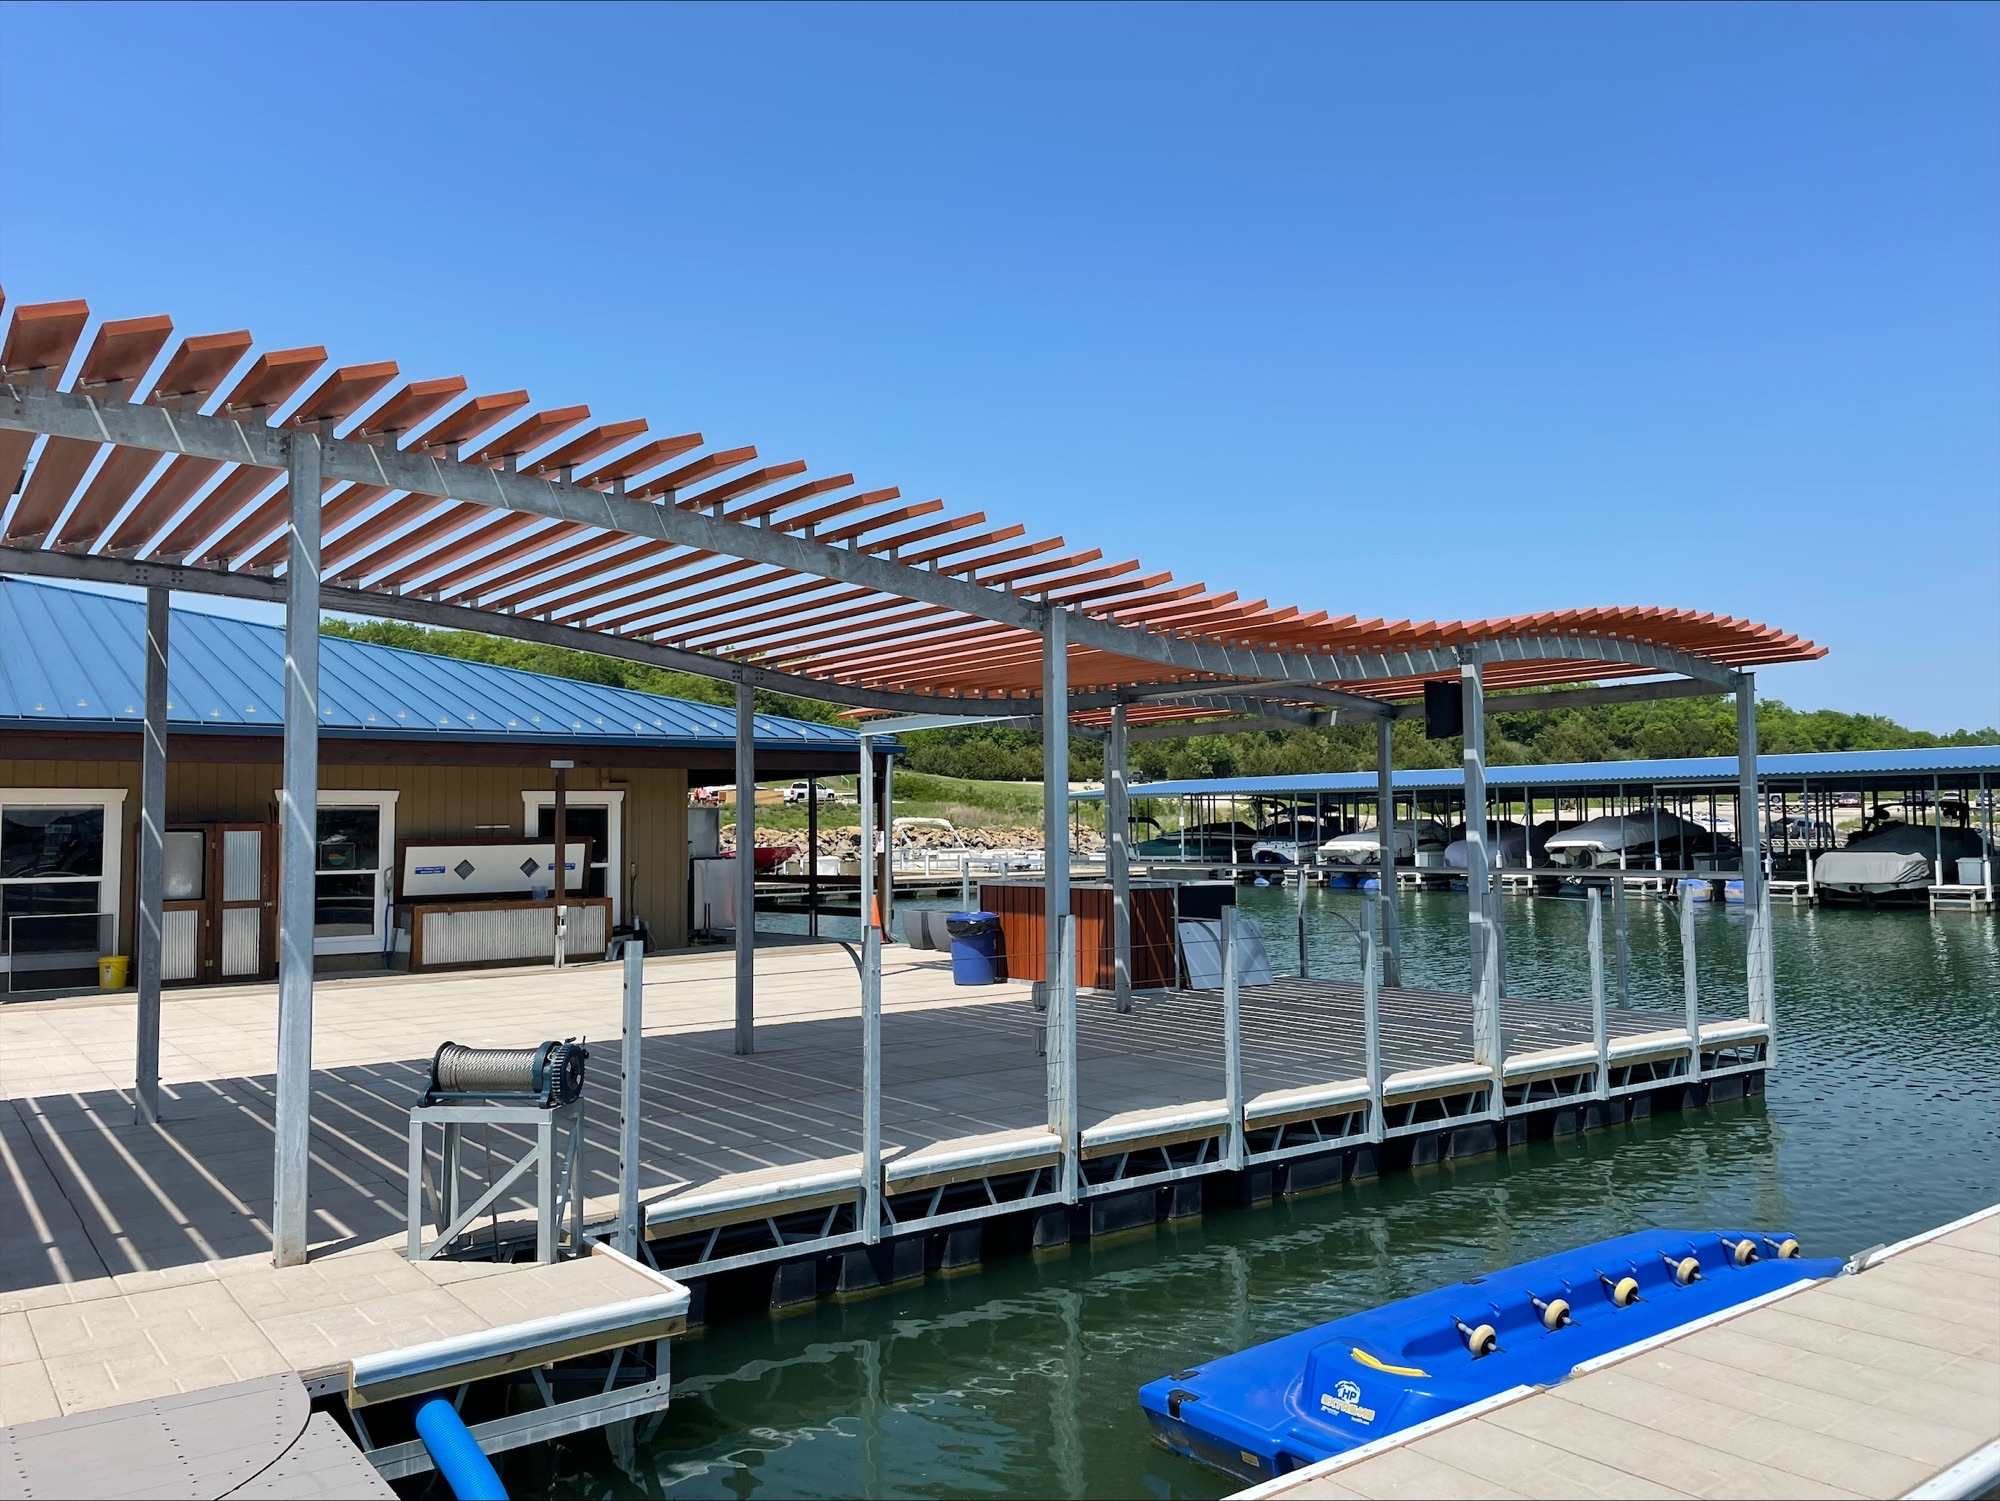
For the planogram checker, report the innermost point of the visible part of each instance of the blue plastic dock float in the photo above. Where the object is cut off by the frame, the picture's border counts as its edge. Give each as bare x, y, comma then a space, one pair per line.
1308, 1396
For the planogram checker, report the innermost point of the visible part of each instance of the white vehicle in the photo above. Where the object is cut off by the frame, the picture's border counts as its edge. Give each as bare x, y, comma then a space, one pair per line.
1364, 846
800, 792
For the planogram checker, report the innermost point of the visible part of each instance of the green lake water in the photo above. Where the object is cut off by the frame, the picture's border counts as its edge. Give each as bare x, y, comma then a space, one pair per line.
1882, 1118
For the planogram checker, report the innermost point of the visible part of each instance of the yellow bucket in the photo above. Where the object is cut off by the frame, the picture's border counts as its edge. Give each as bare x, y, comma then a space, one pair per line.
111, 971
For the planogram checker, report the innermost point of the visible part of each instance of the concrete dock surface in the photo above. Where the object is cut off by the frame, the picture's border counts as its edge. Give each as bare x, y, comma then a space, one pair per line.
1884, 1383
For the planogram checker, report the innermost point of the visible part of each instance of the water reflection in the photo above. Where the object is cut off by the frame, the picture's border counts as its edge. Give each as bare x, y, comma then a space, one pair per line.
1880, 1121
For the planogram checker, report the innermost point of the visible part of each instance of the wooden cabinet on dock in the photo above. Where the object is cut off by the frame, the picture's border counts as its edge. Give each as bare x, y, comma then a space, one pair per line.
1020, 904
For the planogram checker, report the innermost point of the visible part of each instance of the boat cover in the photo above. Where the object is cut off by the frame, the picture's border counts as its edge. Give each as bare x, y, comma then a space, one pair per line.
1308, 1396
1896, 858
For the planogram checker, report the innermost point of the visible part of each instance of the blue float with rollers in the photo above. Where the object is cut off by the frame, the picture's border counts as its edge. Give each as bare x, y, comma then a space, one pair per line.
1310, 1396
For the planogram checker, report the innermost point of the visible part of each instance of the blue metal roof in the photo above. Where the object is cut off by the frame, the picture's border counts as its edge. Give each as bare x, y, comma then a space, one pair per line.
75, 659
1850, 768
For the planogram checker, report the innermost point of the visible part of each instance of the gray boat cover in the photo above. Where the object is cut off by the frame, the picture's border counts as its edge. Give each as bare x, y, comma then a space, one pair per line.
1896, 858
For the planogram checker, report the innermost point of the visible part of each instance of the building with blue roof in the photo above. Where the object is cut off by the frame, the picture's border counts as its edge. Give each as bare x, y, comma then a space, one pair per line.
412, 747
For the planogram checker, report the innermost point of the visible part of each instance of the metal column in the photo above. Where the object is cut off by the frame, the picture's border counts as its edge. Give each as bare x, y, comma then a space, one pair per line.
1385, 825
1600, 1035
1750, 834
152, 857
1059, 931
812, 857
888, 923
1690, 987
297, 850
1478, 878
746, 868
1232, 1042
870, 1207
1118, 857
631, 1061
559, 859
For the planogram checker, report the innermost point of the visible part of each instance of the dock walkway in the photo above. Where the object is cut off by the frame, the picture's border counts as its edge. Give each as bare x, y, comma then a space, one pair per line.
1884, 1383
725, 1136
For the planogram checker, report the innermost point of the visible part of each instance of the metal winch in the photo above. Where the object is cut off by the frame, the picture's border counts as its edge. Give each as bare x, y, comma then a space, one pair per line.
535, 1093
549, 1076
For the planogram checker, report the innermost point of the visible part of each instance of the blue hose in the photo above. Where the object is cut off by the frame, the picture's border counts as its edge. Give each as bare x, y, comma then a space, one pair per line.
457, 1454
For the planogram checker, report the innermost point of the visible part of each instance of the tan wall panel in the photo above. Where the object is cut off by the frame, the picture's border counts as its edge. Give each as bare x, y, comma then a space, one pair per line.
434, 802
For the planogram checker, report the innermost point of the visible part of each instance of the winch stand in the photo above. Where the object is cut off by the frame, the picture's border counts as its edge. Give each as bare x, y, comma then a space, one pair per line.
557, 1167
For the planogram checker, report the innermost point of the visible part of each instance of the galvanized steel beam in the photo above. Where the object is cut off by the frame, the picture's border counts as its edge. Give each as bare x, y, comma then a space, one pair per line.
298, 846
74, 415
152, 885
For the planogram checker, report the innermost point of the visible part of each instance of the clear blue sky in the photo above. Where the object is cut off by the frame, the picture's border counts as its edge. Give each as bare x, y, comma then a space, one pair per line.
1419, 311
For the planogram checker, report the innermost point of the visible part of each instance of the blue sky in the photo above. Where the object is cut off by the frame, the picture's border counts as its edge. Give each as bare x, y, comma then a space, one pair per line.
1423, 311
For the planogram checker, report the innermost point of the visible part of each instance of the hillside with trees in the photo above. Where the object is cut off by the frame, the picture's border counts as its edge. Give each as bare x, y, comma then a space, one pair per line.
984, 753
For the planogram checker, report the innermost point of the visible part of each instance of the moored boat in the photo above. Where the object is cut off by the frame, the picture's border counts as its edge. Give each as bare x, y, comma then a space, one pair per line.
1309, 1396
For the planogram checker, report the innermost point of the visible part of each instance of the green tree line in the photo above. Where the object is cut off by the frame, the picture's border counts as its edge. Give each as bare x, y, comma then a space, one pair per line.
1607, 732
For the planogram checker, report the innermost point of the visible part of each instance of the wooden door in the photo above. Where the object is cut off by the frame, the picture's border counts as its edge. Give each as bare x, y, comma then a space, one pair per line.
243, 890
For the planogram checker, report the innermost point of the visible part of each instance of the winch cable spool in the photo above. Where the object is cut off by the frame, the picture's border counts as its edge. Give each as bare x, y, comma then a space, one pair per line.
1686, 1270
1786, 1248
1555, 1312
1482, 1341
550, 1075
1624, 1292
1743, 1251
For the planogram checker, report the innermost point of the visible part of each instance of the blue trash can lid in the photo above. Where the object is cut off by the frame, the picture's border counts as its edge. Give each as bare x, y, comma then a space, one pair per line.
971, 924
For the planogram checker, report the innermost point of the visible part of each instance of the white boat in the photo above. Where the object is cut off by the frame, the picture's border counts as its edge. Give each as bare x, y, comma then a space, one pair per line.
1280, 843
1364, 846
1602, 840
1507, 843
1896, 861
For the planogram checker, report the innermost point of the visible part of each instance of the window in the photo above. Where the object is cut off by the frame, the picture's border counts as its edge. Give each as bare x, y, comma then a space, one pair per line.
356, 840
346, 870
595, 814
59, 868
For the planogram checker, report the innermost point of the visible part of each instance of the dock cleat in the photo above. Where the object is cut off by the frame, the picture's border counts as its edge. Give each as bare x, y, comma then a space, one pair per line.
1309, 1396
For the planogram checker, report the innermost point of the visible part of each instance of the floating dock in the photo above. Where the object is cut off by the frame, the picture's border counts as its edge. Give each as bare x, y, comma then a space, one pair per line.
754, 1160
1881, 1383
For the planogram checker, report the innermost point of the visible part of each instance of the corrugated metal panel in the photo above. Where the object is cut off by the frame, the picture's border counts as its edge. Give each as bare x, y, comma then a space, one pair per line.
77, 658
1951, 761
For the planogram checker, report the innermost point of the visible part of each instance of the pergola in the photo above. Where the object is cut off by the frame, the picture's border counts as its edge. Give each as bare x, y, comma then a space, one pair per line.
221, 469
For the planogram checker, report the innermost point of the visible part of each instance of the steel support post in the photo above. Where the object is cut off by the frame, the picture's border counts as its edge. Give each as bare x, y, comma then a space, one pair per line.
1232, 1039
1690, 987
888, 847
1622, 950
1118, 856
871, 1083
865, 795
1060, 931
1750, 834
631, 1067
152, 860
297, 852
1385, 825
812, 857
1600, 1033
1478, 878
559, 860
1371, 1021
746, 868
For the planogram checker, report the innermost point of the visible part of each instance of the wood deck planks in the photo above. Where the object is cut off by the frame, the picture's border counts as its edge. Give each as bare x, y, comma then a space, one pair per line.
1867, 1385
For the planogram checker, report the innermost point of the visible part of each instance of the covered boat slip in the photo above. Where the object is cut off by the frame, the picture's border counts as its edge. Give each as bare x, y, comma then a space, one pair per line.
732, 1145
1655, 819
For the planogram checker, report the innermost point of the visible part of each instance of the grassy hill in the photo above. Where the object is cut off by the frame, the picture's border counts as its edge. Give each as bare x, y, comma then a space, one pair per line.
984, 775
